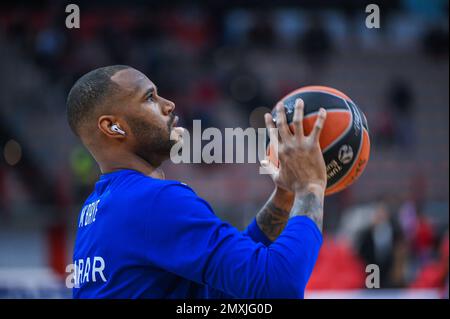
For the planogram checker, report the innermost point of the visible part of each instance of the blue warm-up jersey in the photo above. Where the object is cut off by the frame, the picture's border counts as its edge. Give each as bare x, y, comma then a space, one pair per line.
141, 237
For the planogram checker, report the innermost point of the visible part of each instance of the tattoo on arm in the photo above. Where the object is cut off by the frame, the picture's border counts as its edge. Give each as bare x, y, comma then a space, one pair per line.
271, 220
310, 205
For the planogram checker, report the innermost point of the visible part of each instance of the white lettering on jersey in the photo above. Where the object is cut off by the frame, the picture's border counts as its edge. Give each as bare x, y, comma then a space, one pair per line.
88, 214
98, 269
84, 272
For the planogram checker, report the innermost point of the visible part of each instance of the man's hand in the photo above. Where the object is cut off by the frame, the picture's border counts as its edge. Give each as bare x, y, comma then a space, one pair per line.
300, 157
301, 165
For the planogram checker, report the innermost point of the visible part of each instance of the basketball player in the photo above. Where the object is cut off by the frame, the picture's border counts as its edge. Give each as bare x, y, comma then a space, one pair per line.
140, 236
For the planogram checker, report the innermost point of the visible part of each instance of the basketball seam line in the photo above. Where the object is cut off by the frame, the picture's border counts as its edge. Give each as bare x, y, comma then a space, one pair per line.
336, 140
359, 149
356, 157
340, 135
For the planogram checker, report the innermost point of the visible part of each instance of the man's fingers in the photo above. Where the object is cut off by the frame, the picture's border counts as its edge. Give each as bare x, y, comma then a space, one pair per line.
273, 135
282, 125
297, 120
269, 121
318, 126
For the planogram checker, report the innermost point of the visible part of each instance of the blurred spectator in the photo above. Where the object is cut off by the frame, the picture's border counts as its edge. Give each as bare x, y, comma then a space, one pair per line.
423, 236
262, 34
395, 125
401, 102
316, 44
400, 97
419, 232
435, 43
378, 244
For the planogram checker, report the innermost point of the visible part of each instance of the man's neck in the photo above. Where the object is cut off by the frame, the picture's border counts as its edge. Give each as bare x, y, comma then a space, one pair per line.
130, 161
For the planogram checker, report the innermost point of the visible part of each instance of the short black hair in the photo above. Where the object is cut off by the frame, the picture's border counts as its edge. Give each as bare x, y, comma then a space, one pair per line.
88, 93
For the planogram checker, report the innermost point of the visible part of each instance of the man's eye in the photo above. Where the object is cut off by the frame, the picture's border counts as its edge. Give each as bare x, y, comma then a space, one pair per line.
150, 97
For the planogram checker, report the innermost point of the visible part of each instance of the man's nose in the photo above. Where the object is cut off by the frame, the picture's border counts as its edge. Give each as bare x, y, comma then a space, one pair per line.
167, 106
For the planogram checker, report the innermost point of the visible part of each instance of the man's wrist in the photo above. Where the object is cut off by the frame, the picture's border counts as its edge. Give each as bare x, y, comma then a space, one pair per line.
283, 198
315, 188
309, 202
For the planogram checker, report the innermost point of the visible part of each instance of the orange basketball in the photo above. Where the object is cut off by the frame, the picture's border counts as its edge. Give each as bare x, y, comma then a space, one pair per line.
344, 139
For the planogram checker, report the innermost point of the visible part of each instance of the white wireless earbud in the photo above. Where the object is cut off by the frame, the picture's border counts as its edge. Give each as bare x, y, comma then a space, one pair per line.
116, 128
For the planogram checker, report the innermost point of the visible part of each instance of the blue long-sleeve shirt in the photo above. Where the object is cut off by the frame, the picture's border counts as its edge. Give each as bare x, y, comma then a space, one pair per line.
140, 237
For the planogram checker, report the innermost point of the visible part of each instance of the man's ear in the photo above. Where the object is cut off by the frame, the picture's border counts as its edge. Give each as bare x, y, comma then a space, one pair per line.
110, 126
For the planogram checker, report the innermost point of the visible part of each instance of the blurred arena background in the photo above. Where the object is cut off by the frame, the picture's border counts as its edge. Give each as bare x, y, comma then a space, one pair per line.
222, 63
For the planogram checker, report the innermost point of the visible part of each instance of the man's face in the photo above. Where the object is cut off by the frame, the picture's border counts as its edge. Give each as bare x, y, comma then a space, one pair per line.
150, 117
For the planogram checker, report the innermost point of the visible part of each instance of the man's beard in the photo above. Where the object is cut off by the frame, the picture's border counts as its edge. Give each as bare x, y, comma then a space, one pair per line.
153, 143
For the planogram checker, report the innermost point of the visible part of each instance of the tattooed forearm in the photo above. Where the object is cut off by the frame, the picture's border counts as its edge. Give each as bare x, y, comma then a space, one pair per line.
311, 205
281, 206
271, 220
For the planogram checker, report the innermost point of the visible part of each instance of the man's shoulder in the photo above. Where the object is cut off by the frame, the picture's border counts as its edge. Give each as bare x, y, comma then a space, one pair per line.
161, 199
142, 193
164, 197
145, 185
